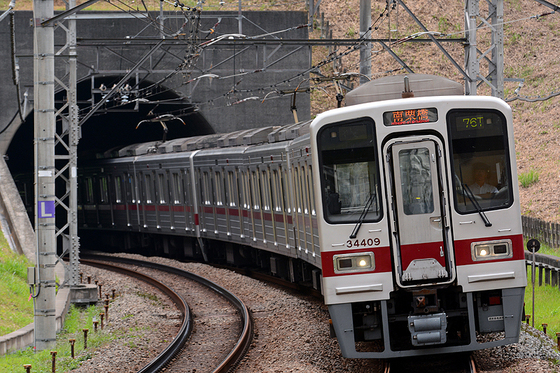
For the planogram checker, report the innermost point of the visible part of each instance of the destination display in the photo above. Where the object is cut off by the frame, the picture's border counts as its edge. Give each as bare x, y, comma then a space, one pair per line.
411, 116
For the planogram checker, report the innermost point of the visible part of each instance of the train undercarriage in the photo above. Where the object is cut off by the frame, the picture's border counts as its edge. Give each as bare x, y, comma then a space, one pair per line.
442, 320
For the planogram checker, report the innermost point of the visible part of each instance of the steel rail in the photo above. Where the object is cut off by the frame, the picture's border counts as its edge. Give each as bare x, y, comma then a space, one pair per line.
186, 327
246, 335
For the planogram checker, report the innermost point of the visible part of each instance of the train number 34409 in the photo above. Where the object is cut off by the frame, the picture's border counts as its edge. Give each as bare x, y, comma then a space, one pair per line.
363, 243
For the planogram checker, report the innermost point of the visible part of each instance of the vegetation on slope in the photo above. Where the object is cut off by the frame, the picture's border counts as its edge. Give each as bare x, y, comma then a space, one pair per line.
16, 308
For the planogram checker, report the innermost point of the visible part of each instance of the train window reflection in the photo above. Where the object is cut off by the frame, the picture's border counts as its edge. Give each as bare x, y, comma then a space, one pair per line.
349, 171
481, 165
416, 179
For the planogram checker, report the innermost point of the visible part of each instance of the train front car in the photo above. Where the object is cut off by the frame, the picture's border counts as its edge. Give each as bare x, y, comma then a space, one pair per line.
419, 225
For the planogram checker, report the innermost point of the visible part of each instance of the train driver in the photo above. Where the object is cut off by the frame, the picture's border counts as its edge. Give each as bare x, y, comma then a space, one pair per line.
480, 186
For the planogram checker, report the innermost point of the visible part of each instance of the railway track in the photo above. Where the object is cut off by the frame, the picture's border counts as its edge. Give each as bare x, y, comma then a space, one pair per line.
222, 324
453, 363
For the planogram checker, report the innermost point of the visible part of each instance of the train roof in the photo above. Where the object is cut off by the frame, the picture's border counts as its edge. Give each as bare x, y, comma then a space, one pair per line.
242, 138
392, 87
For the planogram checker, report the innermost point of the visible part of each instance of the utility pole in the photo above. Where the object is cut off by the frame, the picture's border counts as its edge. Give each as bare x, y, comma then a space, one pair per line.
74, 135
493, 57
365, 48
44, 173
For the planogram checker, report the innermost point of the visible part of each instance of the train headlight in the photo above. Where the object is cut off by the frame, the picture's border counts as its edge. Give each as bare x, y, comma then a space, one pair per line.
356, 262
491, 250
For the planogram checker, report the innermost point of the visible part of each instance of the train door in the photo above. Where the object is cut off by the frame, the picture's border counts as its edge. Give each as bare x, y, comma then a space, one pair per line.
419, 211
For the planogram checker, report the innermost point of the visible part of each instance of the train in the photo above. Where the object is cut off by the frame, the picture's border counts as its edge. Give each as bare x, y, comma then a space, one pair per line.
401, 207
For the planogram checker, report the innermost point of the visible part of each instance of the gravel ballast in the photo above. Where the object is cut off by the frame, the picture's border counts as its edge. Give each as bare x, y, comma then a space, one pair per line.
291, 331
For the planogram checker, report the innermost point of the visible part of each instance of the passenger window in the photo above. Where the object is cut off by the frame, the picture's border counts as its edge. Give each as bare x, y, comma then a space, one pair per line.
284, 181
149, 188
232, 185
218, 182
104, 195
207, 189
349, 172
129, 188
177, 189
481, 164
311, 191
118, 189
242, 183
265, 190
276, 192
256, 197
89, 196
304, 191
298, 191
162, 188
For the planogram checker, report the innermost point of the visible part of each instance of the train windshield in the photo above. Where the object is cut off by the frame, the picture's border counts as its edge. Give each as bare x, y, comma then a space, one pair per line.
481, 166
349, 172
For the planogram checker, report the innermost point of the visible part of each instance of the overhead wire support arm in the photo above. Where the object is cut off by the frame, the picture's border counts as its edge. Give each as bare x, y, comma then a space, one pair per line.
394, 55
461, 70
10, 10
121, 82
69, 12
550, 5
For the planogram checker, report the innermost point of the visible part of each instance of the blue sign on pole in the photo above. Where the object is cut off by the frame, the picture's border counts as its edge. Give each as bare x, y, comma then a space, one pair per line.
46, 209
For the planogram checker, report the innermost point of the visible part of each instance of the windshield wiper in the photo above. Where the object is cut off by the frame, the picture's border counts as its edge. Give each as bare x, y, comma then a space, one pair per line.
470, 194
367, 206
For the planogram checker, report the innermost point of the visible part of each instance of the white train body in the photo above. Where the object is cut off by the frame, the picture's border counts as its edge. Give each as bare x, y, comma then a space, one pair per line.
421, 240
373, 203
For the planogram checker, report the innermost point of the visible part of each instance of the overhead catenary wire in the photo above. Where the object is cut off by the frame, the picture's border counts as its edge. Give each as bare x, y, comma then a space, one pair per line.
312, 70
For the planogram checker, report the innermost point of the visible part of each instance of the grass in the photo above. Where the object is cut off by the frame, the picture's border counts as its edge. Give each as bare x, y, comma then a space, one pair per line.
528, 178
76, 321
547, 298
17, 311
16, 308
547, 305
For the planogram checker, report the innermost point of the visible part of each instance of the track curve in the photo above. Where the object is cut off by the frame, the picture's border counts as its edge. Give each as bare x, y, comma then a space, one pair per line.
245, 337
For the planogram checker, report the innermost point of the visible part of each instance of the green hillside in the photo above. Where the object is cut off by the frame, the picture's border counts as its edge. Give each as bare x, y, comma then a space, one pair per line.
16, 308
